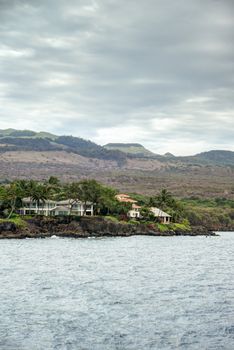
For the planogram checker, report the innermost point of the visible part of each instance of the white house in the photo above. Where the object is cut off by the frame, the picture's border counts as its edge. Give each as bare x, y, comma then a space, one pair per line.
163, 217
56, 208
135, 211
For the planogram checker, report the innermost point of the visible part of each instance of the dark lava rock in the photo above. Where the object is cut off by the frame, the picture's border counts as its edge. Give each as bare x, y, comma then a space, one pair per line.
82, 227
7, 226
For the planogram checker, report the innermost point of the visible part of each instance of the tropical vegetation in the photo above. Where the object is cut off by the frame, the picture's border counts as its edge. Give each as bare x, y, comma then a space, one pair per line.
215, 213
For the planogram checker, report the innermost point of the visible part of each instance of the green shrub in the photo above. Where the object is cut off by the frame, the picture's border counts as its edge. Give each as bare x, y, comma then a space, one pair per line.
112, 218
123, 222
18, 221
162, 227
133, 222
180, 227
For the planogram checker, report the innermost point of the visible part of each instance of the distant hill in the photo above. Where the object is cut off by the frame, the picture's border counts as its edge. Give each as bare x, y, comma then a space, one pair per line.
130, 148
89, 149
217, 157
27, 140
169, 155
214, 157
26, 134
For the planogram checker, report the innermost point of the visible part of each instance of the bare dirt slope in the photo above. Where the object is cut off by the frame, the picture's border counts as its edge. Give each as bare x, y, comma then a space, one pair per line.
134, 175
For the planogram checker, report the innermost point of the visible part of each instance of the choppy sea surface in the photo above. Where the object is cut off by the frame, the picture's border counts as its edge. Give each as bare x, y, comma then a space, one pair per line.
117, 293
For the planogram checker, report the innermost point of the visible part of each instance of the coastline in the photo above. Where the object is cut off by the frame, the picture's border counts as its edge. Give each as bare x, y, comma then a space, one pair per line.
84, 227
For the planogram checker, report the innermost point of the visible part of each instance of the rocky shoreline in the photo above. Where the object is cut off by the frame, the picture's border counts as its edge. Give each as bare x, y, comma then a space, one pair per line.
42, 227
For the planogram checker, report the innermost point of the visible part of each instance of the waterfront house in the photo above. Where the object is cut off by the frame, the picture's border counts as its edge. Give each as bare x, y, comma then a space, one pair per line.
135, 211
56, 208
161, 215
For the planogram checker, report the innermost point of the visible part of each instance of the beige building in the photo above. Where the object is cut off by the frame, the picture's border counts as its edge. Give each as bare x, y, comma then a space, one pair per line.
161, 215
125, 198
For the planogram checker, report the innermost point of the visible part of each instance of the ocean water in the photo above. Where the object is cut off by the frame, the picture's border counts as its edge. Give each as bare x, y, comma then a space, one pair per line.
117, 293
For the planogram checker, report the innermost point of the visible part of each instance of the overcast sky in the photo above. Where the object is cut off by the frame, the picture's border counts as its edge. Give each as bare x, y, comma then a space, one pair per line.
157, 72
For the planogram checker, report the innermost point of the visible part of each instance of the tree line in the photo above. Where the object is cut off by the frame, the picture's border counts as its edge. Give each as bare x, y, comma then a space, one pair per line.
216, 213
87, 191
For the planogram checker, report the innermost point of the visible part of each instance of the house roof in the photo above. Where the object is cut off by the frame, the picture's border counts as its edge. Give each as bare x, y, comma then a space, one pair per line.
63, 202
124, 198
135, 206
29, 200
159, 213
127, 200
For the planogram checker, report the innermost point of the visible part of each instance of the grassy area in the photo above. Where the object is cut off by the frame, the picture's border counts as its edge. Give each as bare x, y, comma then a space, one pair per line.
180, 227
17, 220
133, 222
162, 227
112, 218
173, 226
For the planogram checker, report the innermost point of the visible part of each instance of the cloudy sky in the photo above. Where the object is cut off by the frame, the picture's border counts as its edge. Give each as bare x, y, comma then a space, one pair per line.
158, 72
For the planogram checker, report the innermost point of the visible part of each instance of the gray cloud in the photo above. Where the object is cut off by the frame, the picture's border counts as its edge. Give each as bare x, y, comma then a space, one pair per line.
156, 72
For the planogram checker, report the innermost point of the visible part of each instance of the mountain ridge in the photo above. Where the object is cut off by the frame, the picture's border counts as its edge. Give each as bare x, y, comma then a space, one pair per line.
14, 140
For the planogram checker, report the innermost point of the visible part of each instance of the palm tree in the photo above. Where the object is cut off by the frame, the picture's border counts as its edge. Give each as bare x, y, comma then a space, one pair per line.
13, 194
164, 199
39, 193
53, 181
107, 200
54, 188
85, 191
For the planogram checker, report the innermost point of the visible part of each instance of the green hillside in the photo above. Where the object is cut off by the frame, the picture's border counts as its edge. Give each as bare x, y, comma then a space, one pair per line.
27, 140
130, 148
217, 157
26, 134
